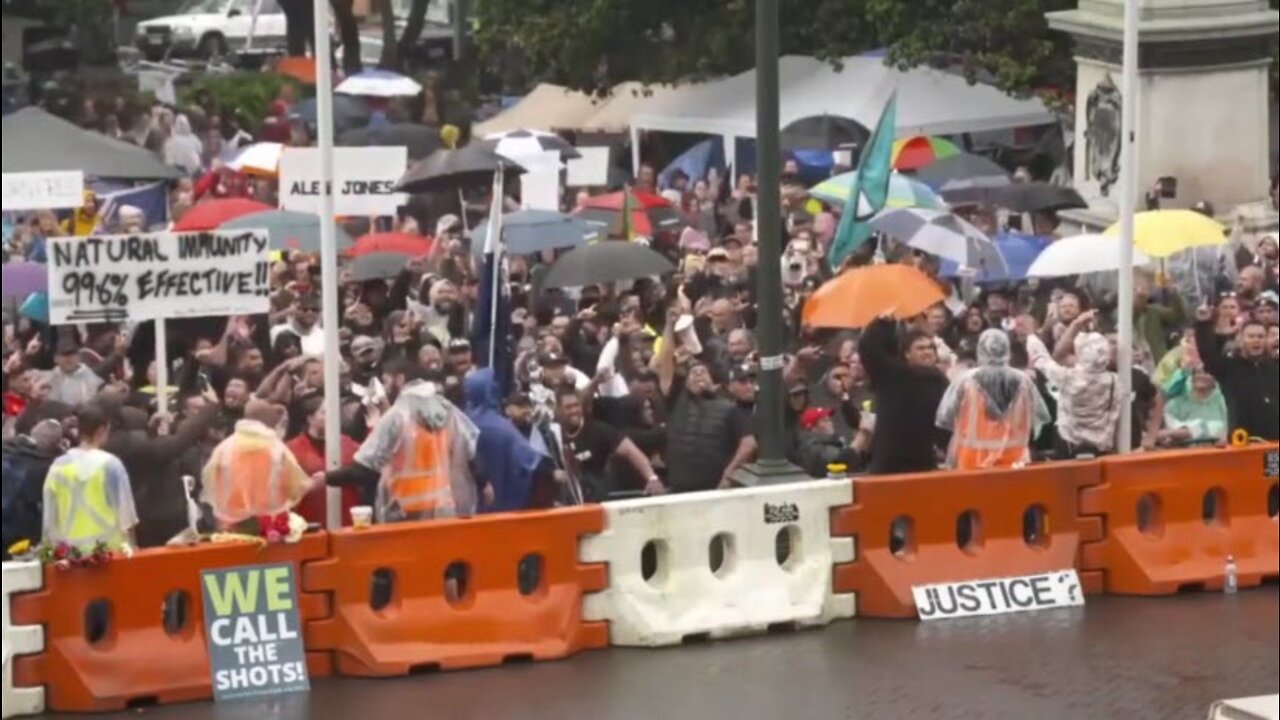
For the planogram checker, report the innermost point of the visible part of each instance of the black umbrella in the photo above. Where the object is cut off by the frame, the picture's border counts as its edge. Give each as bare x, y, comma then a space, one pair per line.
605, 262
449, 169
348, 113
419, 139
1037, 197
824, 132
965, 178
377, 266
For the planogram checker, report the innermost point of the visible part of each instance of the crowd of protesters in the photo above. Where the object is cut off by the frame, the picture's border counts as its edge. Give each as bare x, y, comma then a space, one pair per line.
614, 394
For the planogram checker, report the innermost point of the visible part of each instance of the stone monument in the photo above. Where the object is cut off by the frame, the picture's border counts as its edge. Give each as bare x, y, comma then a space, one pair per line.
1204, 103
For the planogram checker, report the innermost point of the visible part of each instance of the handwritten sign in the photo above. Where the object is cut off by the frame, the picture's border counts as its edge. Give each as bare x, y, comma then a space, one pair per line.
363, 180
998, 596
113, 278
254, 635
43, 190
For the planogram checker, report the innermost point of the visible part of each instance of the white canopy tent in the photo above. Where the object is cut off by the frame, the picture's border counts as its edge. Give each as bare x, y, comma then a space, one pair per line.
548, 107
930, 102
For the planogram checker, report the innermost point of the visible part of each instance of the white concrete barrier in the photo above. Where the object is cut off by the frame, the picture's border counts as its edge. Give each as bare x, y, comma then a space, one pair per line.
720, 564
20, 578
1258, 708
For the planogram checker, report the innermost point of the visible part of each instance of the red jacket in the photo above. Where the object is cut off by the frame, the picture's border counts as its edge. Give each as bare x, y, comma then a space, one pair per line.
310, 457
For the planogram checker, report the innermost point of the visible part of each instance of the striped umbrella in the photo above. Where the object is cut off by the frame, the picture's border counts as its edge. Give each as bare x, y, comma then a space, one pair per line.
904, 192
945, 235
523, 143
917, 152
630, 214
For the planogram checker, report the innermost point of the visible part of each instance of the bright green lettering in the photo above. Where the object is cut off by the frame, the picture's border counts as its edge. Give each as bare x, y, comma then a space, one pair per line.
238, 589
278, 589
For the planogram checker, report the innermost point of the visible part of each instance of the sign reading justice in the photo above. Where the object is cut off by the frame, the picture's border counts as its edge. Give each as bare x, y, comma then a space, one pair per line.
255, 637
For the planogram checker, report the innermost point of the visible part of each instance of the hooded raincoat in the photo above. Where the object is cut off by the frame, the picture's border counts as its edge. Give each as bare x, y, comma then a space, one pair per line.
993, 410
423, 440
503, 456
1088, 400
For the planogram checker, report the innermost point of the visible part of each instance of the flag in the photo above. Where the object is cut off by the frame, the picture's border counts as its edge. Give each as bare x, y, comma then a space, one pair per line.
870, 190
491, 331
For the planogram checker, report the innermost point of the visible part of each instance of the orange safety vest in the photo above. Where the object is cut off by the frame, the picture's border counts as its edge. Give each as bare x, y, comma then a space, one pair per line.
249, 482
417, 478
980, 442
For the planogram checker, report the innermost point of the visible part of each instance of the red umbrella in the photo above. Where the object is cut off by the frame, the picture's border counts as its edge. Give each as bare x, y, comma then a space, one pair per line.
391, 243
209, 215
649, 214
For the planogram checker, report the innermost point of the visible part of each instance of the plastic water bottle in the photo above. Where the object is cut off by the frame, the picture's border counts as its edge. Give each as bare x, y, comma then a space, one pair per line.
1231, 585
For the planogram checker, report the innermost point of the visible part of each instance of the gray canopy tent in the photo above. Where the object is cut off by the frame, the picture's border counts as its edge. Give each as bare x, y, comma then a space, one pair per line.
36, 141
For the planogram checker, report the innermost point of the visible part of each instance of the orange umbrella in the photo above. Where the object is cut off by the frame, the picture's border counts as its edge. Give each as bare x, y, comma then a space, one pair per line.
861, 295
300, 68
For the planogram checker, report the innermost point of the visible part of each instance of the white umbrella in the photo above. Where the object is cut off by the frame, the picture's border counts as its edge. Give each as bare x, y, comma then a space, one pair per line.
258, 159
524, 143
1082, 255
379, 83
943, 234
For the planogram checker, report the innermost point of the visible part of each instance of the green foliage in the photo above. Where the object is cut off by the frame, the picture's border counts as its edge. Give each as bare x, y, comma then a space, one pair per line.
248, 93
593, 44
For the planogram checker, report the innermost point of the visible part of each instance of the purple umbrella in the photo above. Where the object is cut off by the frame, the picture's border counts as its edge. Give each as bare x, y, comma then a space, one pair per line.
23, 279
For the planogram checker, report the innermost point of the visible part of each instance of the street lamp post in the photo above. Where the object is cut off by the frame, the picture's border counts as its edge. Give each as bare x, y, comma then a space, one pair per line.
771, 466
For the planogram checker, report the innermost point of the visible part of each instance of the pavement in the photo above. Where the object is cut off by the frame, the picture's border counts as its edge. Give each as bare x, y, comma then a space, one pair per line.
1116, 659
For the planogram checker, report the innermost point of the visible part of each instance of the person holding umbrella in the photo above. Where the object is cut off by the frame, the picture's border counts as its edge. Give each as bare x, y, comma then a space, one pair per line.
909, 387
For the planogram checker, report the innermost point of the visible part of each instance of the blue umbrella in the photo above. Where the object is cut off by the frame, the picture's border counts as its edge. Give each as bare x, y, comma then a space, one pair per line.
36, 308
1018, 251
532, 231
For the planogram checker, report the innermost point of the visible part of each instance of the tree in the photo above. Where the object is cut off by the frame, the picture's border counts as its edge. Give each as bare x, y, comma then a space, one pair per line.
593, 44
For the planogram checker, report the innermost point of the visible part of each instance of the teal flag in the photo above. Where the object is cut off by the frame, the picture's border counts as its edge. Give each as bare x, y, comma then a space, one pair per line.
870, 190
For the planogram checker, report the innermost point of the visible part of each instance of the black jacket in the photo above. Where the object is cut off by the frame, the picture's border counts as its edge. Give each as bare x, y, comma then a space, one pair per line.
906, 438
26, 466
156, 466
1250, 386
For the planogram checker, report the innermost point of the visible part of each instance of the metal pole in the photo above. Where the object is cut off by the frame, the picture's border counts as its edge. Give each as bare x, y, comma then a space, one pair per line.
162, 366
1128, 206
769, 407
328, 261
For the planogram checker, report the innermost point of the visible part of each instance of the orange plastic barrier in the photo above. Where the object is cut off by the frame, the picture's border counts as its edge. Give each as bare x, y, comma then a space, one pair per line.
138, 658
949, 527
1173, 518
456, 594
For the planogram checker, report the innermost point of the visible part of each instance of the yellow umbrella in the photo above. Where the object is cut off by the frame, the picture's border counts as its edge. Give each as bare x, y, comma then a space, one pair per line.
1161, 233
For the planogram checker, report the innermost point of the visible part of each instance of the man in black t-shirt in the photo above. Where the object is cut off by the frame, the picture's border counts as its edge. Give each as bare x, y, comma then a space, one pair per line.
589, 443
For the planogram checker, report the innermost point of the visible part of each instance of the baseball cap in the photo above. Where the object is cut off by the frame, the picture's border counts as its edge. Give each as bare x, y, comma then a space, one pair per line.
739, 373
810, 418
458, 345
797, 388
1269, 298
718, 254
364, 345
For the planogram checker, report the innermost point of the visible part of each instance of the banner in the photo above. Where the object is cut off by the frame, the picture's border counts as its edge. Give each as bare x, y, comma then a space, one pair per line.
113, 278
949, 601
364, 178
254, 634
42, 190
540, 184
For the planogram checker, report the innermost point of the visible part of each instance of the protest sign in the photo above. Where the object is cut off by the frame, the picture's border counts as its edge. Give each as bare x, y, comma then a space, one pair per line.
540, 184
363, 180
42, 190
998, 596
590, 170
253, 630
112, 278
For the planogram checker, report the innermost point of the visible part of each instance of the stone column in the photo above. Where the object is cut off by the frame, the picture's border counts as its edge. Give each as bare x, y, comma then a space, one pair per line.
1203, 103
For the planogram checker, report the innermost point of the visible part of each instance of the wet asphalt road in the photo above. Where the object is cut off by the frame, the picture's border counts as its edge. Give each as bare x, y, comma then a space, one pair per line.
1119, 658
